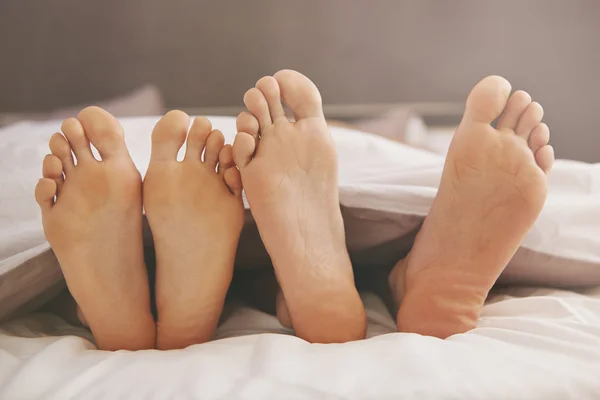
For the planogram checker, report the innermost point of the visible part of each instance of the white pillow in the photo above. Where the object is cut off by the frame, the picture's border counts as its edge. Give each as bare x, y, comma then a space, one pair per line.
386, 189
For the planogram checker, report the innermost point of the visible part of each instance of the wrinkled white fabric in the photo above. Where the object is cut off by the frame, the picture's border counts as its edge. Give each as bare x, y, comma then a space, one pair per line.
530, 344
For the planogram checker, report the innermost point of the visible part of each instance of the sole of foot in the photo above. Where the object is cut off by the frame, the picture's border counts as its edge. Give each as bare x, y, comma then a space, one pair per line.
289, 173
492, 190
92, 218
195, 211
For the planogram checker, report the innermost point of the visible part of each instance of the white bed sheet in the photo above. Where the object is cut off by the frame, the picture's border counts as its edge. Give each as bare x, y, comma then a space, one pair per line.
530, 344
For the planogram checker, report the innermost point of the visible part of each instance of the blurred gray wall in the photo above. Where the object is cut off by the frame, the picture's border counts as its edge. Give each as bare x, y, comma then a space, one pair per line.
206, 53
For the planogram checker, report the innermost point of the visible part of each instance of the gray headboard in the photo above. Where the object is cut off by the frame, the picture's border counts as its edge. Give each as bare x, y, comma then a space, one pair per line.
207, 53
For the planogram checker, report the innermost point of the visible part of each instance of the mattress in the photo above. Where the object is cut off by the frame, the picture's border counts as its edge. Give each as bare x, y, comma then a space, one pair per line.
530, 343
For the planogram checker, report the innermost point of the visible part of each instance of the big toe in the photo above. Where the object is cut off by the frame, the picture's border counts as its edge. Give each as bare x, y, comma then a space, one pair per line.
103, 131
487, 99
300, 94
169, 135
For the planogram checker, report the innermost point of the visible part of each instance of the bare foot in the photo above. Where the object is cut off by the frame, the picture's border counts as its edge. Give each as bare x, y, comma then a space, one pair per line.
492, 190
196, 215
291, 186
92, 217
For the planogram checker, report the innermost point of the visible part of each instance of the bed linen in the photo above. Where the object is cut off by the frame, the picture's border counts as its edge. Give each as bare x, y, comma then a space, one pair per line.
530, 344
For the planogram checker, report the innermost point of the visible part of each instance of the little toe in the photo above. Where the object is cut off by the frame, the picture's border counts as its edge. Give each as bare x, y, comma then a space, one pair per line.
61, 149
196, 141
169, 135
52, 168
540, 136
544, 158
231, 175
300, 94
257, 104
529, 120
78, 142
45, 191
270, 89
487, 100
104, 131
214, 144
243, 149
517, 104
233, 180
246, 122
225, 159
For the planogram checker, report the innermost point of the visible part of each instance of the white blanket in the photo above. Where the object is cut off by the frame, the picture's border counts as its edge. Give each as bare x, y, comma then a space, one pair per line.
530, 344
